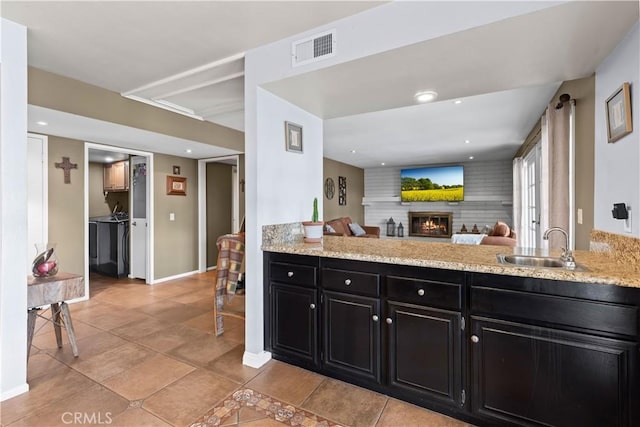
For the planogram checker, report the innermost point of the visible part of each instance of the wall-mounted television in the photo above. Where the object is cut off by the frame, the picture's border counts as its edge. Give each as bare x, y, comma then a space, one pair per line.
432, 184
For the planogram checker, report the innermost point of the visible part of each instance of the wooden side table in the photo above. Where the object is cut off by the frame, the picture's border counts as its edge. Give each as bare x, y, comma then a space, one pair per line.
53, 291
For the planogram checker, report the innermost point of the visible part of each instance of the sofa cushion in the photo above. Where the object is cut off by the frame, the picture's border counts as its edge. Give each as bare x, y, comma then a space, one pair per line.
501, 229
329, 229
357, 230
338, 226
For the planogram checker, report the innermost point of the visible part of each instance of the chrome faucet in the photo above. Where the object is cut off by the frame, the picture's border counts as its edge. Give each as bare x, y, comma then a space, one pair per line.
567, 256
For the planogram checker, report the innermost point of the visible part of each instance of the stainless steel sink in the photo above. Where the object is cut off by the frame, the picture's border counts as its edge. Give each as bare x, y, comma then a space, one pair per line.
531, 261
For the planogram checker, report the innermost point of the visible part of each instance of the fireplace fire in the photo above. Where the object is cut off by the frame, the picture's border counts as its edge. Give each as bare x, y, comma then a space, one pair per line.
430, 224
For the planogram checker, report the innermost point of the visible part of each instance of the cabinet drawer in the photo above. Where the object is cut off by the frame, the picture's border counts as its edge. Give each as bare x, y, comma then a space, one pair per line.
424, 292
610, 318
351, 282
293, 274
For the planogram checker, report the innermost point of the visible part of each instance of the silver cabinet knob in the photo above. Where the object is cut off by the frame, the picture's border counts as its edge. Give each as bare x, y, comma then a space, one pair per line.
421, 292
475, 339
134, 223
312, 306
375, 318
389, 321
290, 274
347, 282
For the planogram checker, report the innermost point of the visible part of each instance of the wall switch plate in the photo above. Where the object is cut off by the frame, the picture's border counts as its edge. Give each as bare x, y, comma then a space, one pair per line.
579, 215
172, 216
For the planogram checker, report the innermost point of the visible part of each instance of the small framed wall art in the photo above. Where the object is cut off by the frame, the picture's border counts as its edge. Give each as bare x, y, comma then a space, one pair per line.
293, 137
342, 190
618, 110
176, 170
176, 185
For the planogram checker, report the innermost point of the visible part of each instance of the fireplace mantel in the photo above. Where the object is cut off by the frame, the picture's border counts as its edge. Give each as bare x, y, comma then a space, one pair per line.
430, 224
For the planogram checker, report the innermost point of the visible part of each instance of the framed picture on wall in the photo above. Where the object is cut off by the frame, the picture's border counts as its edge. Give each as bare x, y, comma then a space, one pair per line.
176, 185
618, 110
342, 190
293, 137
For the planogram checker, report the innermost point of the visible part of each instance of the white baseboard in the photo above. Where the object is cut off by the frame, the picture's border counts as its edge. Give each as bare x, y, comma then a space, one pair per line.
177, 276
14, 392
254, 360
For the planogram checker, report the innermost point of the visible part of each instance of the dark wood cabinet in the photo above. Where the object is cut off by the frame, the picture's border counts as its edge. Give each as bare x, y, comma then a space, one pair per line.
295, 323
488, 349
425, 352
351, 331
547, 352
529, 375
293, 309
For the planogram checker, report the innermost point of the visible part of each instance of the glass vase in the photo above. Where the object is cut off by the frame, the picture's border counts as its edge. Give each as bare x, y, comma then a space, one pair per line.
45, 264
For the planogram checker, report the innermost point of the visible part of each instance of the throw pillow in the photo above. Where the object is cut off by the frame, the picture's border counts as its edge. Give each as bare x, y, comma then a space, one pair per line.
357, 230
329, 229
501, 229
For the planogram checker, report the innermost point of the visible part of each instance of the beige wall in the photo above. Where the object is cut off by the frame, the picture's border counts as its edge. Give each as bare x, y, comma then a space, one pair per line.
219, 194
176, 242
99, 205
583, 91
72, 96
355, 191
176, 249
66, 205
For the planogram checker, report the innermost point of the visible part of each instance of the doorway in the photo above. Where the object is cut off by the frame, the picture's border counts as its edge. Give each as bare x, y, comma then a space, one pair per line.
37, 194
123, 213
213, 221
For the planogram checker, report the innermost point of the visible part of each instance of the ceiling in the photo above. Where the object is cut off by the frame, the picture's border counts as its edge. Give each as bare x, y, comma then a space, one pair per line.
188, 57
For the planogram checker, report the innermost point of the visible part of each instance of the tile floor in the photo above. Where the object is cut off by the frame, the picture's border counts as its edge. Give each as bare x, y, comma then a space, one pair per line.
148, 358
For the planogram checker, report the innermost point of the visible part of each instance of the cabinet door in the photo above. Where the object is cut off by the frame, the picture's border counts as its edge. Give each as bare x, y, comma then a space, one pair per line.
530, 375
119, 176
107, 180
352, 335
294, 323
425, 352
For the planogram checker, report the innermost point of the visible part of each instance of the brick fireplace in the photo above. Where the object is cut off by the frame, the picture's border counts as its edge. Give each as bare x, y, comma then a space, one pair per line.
430, 224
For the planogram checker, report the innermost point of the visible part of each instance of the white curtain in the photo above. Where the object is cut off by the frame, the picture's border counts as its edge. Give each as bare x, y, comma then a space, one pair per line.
518, 194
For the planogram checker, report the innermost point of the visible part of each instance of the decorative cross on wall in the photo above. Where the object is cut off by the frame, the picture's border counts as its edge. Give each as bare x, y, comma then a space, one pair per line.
66, 165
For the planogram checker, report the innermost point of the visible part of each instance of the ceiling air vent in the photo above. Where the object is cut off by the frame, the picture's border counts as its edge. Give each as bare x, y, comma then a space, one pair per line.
313, 48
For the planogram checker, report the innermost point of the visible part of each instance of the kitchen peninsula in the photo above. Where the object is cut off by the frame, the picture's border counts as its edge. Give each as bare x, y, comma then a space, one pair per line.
449, 328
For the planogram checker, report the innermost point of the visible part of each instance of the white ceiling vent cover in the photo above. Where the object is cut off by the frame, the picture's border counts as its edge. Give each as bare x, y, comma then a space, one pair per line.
314, 48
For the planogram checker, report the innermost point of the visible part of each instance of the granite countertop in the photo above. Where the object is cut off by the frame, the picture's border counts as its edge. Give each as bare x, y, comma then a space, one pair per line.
602, 268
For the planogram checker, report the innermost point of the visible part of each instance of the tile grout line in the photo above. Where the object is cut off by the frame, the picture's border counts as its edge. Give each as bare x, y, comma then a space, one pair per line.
386, 403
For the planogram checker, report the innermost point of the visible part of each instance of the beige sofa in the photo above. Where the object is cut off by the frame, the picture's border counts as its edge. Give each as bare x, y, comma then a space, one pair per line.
341, 227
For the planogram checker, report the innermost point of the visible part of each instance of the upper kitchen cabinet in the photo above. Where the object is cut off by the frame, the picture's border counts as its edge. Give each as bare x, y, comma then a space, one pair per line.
116, 176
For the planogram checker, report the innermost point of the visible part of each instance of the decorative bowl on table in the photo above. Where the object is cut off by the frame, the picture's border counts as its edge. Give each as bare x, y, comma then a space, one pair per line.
45, 263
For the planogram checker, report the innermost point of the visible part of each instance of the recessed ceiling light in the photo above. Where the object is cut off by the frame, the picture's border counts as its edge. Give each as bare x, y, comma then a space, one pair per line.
382, 164
41, 123
108, 159
457, 101
466, 141
353, 151
188, 150
470, 157
426, 96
